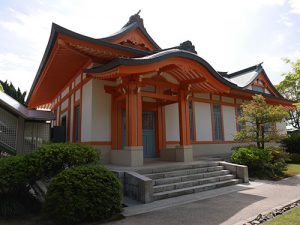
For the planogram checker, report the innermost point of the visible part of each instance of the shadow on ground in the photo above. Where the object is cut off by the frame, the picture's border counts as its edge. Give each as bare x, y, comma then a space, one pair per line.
212, 211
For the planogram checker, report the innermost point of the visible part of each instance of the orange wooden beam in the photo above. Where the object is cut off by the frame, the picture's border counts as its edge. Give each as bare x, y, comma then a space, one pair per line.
160, 96
184, 121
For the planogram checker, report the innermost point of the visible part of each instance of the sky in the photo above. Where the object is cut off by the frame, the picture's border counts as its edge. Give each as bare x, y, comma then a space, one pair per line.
230, 35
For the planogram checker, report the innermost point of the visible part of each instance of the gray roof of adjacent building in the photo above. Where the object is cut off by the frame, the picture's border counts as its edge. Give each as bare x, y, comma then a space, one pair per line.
17, 108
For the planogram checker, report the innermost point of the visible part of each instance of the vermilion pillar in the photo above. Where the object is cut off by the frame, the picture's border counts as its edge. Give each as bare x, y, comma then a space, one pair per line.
184, 121
133, 115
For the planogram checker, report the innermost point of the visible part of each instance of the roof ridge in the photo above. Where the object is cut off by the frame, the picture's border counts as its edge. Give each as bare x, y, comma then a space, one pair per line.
186, 45
245, 70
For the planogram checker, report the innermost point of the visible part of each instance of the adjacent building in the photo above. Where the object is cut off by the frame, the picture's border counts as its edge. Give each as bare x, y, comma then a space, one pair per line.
22, 130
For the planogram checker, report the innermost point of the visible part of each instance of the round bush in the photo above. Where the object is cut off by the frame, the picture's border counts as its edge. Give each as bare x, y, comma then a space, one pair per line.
50, 159
295, 158
84, 193
292, 142
13, 174
18, 203
263, 163
15, 198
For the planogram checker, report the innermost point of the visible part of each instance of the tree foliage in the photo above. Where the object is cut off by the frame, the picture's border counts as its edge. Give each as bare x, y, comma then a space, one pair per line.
11, 90
290, 89
258, 119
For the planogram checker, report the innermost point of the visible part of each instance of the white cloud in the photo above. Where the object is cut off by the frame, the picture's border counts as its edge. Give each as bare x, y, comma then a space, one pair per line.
284, 19
295, 6
16, 69
225, 33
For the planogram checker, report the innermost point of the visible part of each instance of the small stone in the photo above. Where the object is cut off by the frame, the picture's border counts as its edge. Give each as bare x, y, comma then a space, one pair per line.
255, 222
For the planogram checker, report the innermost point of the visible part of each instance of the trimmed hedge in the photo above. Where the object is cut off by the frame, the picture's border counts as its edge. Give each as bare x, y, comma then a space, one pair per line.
295, 158
18, 203
15, 198
51, 159
263, 163
85, 193
19, 173
292, 142
13, 174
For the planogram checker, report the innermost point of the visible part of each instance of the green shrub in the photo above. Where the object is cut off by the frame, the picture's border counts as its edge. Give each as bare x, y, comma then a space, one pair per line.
279, 159
13, 174
15, 197
19, 173
263, 163
50, 159
85, 193
18, 203
295, 158
292, 142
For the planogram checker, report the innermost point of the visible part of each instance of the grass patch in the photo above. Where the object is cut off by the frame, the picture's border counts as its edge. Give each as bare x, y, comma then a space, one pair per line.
292, 217
293, 169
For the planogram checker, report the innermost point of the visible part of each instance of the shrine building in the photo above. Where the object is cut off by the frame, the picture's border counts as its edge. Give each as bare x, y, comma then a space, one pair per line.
134, 100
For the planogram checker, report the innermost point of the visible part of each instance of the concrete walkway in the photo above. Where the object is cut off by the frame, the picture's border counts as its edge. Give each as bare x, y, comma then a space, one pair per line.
223, 207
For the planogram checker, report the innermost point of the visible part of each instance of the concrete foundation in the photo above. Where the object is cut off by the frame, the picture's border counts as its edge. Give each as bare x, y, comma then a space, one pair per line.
178, 154
130, 156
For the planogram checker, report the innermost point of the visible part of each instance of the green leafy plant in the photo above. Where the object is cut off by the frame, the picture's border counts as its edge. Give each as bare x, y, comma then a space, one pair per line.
292, 142
50, 159
15, 197
270, 162
13, 174
290, 89
18, 174
258, 118
295, 158
85, 193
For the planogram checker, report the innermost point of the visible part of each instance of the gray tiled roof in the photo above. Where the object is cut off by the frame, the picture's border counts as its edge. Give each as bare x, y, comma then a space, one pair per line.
11, 104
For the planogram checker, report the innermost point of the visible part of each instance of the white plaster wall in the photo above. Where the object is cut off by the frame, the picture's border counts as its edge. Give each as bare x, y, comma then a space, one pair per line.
86, 121
101, 112
203, 121
77, 95
229, 122
78, 79
71, 117
172, 122
65, 104
281, 127
65, 92
57, 116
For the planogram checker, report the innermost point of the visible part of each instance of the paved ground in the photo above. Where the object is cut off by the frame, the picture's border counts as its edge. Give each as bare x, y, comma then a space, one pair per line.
228, 209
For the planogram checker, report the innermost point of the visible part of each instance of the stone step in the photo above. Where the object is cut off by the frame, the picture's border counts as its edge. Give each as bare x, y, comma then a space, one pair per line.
163, 169
191, 183
195, 189
183, 172
189, 177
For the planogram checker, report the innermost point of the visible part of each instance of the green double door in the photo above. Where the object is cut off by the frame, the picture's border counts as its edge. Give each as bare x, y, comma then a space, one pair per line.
148, 133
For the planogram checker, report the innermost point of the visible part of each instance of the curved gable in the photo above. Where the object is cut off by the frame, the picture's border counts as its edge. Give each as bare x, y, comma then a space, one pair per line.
134, 35
262, 83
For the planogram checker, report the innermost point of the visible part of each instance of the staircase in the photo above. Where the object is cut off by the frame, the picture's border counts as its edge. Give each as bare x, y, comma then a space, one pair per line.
179, 180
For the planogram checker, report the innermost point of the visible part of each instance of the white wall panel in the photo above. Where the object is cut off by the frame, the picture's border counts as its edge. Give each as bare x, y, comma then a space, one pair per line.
86, 122
229, 121
101, 115
172, 122
203, 121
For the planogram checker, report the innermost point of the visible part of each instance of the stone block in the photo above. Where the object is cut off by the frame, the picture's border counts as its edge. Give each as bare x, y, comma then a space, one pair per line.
240, 171
130, 156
